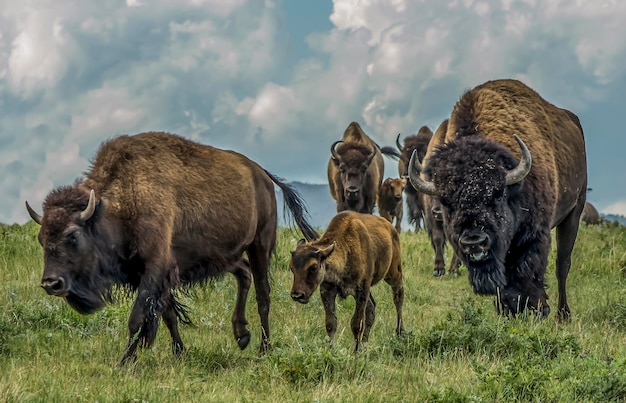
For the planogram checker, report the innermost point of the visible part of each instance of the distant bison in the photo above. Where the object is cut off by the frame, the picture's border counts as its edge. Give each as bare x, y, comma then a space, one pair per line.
498, 205
356, 169
414, 200
590, 215
155, 211
355, 253
433, 219
390, 200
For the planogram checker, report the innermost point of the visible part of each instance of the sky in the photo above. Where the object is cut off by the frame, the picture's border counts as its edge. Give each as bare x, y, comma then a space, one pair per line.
279, 81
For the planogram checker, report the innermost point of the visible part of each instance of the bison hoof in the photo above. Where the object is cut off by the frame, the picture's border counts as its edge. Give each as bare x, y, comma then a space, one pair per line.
243, 341
439, 272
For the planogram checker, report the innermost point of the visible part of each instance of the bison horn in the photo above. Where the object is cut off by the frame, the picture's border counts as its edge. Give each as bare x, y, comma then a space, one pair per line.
91, 207
332, 150
518, 173
33, 214
398, 143
418, 183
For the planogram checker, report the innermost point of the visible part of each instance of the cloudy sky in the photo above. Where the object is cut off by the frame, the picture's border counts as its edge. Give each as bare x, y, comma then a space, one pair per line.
280, 80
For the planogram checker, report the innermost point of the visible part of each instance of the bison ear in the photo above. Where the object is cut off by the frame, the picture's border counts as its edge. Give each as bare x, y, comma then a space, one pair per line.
324, 253
300, 242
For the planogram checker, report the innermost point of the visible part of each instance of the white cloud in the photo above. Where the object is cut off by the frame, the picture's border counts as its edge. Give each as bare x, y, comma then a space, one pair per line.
616, 208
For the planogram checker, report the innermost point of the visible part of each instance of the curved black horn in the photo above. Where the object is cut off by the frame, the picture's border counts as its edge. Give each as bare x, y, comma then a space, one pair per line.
332, 150
91, 207
33, 214
418, 183
398, 143
523, 168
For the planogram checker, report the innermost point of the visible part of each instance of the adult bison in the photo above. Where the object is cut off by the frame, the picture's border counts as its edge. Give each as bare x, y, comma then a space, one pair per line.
433, 217
499, 207
154, 211
414, 200
355, 170
590, 215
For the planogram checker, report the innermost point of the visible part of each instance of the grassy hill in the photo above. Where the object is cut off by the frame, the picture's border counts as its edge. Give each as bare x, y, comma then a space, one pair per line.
456, 348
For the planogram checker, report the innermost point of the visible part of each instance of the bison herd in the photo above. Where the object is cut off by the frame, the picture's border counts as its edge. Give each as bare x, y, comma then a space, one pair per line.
155, 212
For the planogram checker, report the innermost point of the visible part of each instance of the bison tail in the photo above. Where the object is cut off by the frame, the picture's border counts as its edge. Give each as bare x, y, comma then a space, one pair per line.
182, 311
390, 152
295, 204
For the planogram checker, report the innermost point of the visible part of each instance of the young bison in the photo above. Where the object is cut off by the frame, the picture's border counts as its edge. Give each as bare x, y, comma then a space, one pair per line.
356, 252
390, 200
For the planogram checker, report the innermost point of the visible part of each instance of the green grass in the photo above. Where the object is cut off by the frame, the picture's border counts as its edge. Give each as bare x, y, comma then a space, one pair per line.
456, 349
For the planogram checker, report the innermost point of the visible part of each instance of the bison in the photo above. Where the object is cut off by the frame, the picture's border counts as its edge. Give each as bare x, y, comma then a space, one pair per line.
156, 211
390, 200
590, 215
356, 169
414, 199
498, 203
356, 252
433, 219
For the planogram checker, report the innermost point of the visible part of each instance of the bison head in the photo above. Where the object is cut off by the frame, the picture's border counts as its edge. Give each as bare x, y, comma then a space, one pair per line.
308, 265
478, 183
73, 249
352, 162
393, 187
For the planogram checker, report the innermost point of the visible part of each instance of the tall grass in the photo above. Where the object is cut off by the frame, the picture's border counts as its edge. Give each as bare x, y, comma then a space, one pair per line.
455, 349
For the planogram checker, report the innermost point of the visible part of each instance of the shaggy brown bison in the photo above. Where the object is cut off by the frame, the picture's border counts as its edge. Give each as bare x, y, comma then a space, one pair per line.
414, 200
356, 252
590, 215
356, 169
499, 206
154, 211
390, 200
433, 219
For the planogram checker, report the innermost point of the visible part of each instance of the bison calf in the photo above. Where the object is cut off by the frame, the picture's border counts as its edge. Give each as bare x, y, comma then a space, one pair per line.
356, 251
390, 200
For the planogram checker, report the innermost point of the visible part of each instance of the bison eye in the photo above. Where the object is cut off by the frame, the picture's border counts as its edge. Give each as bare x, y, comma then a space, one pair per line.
313, 268
73, 237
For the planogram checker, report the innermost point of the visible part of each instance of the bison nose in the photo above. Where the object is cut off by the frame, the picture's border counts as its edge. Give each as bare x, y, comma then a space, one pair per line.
437, 215
398, 196
298, 296
54, 286
475, 245
352, 191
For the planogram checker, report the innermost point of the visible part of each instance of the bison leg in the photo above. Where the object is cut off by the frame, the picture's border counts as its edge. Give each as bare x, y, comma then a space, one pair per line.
242, 273
259, 256
455, 263
394, 279
438, 241
171, 321
370, 316
566, 233
357, 323
328, 294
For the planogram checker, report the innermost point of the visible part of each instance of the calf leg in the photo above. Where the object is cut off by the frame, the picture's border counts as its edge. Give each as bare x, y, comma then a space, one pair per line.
394, 279
328, 294
242, 273
357, 323
370, 316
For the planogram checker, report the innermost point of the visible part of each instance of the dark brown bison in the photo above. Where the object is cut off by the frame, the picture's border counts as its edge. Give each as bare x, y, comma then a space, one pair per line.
414, 200
498, 206
356, 169
356, 252
433, 218
590, 215
390, 200
155, 211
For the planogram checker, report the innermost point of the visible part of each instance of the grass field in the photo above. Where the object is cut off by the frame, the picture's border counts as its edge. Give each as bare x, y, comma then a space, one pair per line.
456, 348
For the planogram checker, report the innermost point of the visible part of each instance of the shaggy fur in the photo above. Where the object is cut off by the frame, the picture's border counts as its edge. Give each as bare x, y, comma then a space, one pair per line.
390, 200
169, 212
468, 170
414, 199
356, 168
355, 253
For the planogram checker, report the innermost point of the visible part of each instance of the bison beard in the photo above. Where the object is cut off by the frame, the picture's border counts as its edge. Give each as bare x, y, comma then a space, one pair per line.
475, 200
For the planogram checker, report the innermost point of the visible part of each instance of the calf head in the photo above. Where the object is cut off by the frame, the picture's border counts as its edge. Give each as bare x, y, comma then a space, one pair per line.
352, 161
478, 184
72, 251
392, 188
308, 265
